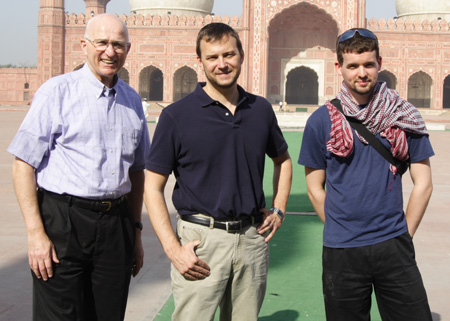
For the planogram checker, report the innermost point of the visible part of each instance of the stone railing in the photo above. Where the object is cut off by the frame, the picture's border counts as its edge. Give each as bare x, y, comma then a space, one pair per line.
402, 25
161, 21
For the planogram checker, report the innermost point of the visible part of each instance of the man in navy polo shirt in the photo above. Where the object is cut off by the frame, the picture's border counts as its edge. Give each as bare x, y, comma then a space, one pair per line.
215, 141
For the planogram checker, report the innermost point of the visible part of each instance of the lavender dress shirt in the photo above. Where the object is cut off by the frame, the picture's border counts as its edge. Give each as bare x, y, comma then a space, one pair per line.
79, 143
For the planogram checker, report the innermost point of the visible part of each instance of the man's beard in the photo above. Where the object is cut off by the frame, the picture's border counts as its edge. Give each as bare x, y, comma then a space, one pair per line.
215, 83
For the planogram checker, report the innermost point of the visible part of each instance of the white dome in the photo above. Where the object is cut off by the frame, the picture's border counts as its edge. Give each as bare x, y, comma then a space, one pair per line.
421, 9
175, 7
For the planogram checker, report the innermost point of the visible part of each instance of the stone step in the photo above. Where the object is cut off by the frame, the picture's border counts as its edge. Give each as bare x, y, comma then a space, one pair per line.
292, 120
435, 126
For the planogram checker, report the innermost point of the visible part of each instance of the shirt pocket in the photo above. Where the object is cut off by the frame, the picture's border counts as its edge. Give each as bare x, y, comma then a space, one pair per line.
130, 140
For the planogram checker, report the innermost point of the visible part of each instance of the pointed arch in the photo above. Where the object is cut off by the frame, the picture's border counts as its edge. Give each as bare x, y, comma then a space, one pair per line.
446, 91
301, 26
302, 34
389, 78
151, 85
124, 75
302, 86
420, 89
184, 81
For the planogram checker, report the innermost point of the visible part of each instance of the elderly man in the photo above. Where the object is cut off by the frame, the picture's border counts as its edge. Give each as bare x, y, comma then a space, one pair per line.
78, 176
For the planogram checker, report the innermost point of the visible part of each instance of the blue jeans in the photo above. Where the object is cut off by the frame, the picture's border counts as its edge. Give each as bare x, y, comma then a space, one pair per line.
350, 274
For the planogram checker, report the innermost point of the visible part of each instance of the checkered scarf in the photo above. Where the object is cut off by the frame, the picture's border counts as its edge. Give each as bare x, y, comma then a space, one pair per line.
386, 114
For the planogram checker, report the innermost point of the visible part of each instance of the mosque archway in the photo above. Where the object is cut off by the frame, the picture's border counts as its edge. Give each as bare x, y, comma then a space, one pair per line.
124, 75
420, 89
301, 35
151, 84
185, 81
389, 78
446, 90
302, 87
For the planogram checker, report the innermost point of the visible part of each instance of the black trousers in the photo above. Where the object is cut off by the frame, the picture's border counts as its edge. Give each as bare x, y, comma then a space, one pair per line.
350, 274
95, 250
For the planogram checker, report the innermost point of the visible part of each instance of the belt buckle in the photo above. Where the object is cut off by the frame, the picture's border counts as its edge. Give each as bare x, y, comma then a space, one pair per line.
107, 203
227, 226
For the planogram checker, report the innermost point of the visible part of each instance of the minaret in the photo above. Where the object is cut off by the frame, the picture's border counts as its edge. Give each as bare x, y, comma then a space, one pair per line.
50, 39
95, 7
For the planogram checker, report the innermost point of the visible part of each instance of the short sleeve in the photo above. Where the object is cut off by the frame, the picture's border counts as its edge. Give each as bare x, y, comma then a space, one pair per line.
162, 156
317, 131
419, 147
34, 138
277, 145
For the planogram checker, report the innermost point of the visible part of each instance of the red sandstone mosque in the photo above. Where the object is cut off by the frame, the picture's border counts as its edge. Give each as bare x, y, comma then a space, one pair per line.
289, 47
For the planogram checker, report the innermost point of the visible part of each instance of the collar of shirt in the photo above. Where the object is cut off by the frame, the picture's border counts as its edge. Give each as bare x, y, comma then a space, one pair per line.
95, 85
206, 101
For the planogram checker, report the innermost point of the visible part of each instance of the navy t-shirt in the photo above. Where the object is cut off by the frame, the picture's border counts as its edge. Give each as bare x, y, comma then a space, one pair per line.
364, 203
217, 157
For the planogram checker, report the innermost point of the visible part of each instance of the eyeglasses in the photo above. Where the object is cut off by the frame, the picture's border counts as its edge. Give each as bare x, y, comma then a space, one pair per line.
362, 32
102, 45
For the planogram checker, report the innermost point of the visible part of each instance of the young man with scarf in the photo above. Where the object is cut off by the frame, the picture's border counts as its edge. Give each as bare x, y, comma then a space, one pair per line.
367, 235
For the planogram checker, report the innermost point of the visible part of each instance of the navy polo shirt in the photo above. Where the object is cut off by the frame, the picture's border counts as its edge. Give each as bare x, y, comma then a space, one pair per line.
217, 157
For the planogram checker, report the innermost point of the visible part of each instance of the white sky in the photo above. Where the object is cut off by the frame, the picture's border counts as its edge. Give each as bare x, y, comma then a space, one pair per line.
19, 18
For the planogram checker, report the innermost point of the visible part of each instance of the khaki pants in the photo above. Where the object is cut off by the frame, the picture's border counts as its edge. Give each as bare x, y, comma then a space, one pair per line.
239, 264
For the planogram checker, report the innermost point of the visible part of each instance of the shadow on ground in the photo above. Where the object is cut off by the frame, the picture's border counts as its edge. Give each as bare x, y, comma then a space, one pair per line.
285, 315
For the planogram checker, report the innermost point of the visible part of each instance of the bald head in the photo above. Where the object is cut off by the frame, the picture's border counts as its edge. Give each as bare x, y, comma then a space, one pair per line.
105, 21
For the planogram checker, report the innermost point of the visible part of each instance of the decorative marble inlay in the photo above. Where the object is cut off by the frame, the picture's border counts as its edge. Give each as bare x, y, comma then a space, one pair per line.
257, 47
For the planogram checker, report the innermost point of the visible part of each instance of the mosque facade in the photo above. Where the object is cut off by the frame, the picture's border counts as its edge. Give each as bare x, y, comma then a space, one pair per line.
289, 48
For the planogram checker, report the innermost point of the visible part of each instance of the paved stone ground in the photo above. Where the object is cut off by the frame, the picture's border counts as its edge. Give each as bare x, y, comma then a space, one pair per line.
151, 288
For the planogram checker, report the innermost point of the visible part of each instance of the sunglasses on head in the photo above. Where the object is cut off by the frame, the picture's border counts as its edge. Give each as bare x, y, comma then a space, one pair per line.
351, 33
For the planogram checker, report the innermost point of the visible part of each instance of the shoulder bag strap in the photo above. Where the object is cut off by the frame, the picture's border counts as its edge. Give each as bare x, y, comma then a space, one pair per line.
372, 140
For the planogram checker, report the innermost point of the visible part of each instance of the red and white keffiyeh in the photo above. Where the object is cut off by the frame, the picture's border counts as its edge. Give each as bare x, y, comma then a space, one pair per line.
386, 114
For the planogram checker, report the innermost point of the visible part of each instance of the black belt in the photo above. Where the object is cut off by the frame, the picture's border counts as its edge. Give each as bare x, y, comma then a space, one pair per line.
93, 205
229, 226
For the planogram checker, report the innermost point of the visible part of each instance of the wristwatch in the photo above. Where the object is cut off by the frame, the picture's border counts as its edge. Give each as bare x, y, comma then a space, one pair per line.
279, 212
138, 225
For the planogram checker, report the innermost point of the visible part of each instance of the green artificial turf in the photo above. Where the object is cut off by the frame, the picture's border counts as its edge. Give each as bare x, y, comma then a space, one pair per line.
298, 199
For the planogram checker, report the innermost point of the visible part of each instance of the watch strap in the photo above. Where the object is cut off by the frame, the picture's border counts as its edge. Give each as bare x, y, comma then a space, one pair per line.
279, 212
